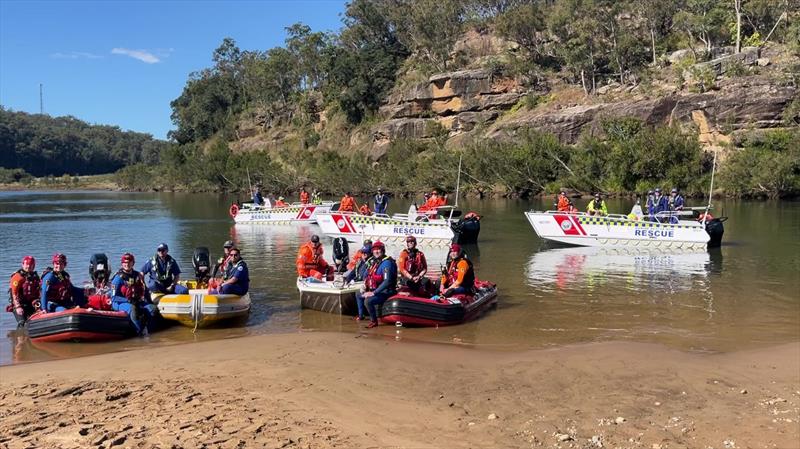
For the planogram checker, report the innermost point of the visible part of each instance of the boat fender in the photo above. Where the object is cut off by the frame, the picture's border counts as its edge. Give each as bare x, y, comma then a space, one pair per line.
234, 210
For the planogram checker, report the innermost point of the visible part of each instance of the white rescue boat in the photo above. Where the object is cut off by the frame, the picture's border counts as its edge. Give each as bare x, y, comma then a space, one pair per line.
429, 231
619, 231
328, 296
293, 213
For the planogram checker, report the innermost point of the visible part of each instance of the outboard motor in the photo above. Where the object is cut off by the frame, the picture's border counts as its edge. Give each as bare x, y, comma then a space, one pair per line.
201, 262
466, 229
99, 271
341, 254
715, 229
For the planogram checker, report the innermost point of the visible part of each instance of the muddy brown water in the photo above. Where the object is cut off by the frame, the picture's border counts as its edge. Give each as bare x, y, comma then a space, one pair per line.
743, 295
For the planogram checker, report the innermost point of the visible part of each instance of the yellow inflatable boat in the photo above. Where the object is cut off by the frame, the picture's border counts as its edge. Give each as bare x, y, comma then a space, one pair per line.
201, 309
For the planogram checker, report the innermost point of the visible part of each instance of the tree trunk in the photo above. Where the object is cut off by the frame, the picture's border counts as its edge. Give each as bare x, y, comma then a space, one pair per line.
583, 82
653, 44
737, 5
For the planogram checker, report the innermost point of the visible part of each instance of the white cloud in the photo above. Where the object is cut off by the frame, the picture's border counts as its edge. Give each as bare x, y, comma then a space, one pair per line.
75, 55
142, 55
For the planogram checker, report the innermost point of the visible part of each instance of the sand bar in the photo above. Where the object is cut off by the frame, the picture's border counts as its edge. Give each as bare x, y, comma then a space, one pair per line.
326, 390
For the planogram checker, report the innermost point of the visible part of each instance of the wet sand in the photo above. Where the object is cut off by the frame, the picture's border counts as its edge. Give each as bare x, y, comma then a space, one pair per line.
326, 390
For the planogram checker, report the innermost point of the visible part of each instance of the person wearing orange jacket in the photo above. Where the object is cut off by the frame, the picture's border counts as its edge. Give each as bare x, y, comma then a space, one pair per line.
25, 289
459, 277
563, 202
364, 210
303, 196
281, 202
310, 262
348, 203
413, 267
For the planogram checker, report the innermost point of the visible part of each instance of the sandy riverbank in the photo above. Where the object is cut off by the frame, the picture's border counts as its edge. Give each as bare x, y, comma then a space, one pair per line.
329, 390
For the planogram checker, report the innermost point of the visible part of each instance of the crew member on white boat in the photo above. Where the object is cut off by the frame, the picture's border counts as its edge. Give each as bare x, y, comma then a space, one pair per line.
381, 202
597, 206
636, 212
676, 201
660, 205
258, 199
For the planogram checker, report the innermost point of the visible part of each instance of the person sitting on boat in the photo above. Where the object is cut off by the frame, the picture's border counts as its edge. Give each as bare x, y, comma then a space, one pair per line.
348, 203
571, 209
163, 273
311, 264
129, 295
58, 293
220, 271
281, 202
303, 195
562, 202
237, 276
258, 199
413, 267
357, 268
597, 206
380, 284
25, 289
381, 202
458, 277
315, 198
434, 201
364, 210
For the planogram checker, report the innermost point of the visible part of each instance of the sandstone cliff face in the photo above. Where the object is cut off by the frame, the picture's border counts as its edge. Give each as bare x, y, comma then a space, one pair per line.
459, 101
456, 102
755, 102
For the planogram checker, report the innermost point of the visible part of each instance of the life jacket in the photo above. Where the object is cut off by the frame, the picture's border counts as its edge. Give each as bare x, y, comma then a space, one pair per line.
364, 210
308, 258
25, 286
348, 204
281, 203
563, 203
452, 273
373, 279
59, 291
304, 197
414, 261
166, 278
132, 287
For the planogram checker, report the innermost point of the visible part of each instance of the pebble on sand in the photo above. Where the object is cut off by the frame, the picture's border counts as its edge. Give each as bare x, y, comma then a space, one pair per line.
619, 420
492, 416
563, 437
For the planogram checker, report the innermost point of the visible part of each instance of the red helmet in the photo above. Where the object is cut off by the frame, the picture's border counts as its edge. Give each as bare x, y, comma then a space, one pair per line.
127, 257
29, 260
379, 244
58, 257
455, 247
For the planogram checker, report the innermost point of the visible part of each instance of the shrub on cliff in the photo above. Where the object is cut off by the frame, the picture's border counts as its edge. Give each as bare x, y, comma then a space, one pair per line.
764, 167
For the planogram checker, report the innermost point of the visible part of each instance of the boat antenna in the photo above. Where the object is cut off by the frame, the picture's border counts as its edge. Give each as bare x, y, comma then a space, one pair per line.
248, 181
711, 187
458, 179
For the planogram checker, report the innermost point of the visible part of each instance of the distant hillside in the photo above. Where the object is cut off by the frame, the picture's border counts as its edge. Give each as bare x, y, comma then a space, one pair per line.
616, 96
43, 145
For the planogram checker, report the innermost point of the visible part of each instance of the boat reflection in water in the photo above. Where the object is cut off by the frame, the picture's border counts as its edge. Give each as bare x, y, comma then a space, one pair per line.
593, 268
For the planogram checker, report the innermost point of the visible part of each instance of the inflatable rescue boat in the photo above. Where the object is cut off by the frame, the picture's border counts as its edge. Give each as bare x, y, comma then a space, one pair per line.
410, 310
199, 308
80, 325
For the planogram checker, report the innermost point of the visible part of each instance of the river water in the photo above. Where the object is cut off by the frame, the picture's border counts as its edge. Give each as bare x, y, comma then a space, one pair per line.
743, 295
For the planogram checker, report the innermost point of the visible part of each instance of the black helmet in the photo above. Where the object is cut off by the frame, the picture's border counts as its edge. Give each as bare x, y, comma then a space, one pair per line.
228, 244
315, 238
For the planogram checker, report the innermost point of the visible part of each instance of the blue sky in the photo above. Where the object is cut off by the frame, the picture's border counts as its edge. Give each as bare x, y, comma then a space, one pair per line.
121, 63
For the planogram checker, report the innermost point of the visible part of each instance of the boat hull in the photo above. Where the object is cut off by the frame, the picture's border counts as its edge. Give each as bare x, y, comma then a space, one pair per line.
296, 213
584, 230
79, 325
198, 308
326, 297
356, 228
423, 312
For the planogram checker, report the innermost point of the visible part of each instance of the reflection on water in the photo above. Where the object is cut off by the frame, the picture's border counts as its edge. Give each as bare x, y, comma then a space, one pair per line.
590, 269
741, 295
